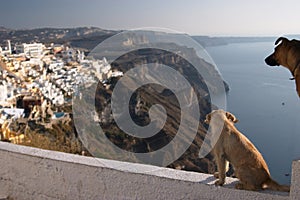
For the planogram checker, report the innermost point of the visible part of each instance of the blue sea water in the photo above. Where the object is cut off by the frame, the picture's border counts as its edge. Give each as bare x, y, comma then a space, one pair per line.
265, 102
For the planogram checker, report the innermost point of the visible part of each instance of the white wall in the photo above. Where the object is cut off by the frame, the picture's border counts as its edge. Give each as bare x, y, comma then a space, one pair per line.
30, 173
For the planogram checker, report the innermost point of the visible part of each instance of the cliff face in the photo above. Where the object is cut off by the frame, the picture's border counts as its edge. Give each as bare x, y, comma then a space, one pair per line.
151, 94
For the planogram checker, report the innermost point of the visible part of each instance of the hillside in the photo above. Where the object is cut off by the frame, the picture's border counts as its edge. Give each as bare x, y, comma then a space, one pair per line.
83, 37
88, 38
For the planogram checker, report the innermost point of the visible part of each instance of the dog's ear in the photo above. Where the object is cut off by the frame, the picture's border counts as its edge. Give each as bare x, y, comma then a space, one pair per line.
208, 118
283, 39
231, 117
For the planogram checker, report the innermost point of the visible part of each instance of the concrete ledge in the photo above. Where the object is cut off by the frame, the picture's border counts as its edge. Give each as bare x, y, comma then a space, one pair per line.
295, 187
30, 173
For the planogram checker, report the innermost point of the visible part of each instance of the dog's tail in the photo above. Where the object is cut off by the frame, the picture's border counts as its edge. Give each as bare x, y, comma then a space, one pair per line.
273, 185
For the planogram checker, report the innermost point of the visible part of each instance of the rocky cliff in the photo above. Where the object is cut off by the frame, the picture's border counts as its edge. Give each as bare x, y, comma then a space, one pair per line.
152, 94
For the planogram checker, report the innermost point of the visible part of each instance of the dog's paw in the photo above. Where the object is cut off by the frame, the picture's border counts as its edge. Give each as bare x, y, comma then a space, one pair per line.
219, 183
216, 174
239, 186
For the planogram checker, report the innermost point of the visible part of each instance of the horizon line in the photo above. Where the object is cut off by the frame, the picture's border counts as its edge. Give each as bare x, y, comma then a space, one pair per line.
216, 35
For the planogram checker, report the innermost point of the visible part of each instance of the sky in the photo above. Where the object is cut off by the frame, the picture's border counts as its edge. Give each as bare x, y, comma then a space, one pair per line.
194, 17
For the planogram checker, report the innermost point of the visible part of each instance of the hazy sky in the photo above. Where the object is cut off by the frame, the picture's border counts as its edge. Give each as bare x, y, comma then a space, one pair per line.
195, 17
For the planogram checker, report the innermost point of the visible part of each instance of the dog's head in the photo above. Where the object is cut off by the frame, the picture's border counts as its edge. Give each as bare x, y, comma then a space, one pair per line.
220, 115
287, 54
278, 57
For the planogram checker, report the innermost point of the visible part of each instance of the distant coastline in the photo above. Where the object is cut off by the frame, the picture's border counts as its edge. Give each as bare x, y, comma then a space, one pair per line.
87, 37
219, 41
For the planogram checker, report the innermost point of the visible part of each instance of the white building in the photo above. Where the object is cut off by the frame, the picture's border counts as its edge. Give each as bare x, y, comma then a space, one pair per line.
101, 66
14, 112
3, 93
31, 50
56, 65
102, 69
6, 50
116, 74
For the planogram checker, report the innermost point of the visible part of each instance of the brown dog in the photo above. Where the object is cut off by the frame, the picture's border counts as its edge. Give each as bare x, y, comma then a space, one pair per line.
233, 147
287, 54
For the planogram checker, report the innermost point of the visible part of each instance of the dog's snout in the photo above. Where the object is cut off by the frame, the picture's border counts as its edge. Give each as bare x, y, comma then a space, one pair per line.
271, 61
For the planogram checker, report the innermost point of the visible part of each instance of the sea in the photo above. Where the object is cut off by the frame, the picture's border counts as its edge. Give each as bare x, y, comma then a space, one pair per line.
265, 102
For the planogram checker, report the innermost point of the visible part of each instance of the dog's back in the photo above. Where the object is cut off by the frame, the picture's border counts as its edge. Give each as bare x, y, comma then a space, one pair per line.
247, 161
